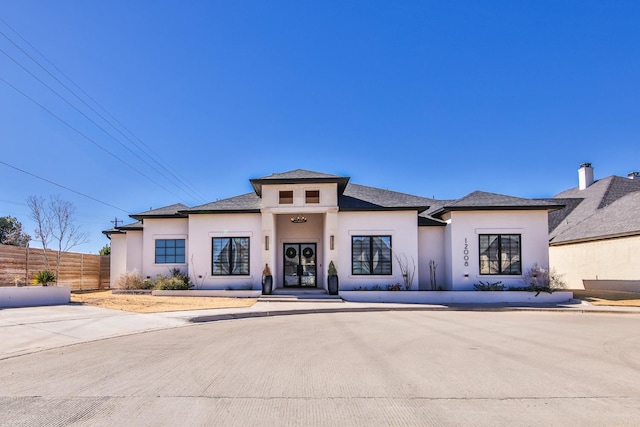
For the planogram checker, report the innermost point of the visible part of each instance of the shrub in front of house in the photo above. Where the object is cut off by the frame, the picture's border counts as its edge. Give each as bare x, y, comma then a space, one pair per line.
132, 280
489, 286
175, 281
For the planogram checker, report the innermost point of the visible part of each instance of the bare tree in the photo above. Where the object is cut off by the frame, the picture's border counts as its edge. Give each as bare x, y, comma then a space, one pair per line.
55, 226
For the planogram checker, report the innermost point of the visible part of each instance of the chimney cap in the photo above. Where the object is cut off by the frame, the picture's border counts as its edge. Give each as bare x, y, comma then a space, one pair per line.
585, 165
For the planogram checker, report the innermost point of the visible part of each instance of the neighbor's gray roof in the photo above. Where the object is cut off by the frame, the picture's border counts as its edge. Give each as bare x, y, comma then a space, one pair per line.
298, 176
607, 208
480, 200
164, 212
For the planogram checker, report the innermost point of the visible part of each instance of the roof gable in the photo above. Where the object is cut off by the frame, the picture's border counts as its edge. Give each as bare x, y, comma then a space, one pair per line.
298, 176
481, 200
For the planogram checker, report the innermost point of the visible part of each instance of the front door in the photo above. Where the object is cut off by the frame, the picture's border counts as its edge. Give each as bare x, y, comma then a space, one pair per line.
300, 264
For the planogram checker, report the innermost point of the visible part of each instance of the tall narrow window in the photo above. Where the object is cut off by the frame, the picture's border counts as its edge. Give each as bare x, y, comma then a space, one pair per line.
371, 255
286, 197
170, 251
312, 196
230, 256
500, 254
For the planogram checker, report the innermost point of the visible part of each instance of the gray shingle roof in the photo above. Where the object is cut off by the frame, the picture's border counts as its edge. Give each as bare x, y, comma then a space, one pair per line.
608, 207
121, 229
164, 212
299, 174
361, 197
249, 202
480, 200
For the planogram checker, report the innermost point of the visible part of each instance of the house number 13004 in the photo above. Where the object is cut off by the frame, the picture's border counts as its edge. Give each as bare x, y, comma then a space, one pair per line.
466, 253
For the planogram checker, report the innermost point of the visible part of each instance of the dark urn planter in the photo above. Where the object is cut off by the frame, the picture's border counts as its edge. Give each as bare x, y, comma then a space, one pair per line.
333, 284
267, 285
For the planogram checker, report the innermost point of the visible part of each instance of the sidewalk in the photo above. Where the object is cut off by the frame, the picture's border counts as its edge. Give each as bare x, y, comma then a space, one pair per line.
32, 329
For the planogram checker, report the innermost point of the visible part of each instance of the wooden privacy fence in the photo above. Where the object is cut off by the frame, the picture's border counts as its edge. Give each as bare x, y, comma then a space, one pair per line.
78, 271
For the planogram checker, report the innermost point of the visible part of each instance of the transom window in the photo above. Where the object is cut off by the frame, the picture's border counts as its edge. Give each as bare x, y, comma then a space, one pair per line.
170, 251
500, 254
371, 255
286, 197
312, 196
230, 256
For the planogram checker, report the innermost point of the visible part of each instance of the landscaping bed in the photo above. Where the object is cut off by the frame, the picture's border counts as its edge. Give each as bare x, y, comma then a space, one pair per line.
155, 304
606, 297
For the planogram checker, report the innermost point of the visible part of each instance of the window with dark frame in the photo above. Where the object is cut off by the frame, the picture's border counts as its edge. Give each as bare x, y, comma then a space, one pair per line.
312, 196
371, 255
500, 254
286, 197
230, 256
170, 251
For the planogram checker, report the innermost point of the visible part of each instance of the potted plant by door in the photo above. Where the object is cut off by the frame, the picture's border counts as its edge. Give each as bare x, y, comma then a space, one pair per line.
267, 281
333, 279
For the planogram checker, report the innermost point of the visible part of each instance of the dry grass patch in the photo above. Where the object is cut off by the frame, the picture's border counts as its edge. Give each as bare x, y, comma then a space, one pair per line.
151, 304
614, 298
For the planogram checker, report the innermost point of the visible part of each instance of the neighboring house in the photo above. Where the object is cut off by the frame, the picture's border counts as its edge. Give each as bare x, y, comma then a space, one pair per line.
597, 235
299, 221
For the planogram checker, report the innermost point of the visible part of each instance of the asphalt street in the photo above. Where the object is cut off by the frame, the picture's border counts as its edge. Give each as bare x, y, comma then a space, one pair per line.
362, 369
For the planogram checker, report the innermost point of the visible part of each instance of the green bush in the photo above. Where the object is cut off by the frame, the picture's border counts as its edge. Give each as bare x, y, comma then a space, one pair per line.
43, 278
176, 281
495, 286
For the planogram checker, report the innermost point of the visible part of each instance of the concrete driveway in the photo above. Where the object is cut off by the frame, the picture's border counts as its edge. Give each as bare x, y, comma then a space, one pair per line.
378, 368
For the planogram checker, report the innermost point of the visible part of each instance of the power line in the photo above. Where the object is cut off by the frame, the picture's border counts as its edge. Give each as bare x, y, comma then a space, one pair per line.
167, 167
87, 138
75, 108
62, 186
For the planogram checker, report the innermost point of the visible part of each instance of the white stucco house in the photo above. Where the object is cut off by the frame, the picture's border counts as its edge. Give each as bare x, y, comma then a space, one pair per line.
297, 222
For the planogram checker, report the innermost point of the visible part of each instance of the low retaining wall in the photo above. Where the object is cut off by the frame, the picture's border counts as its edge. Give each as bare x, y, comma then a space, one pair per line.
208, 293
456, 297
612, 285
33, 296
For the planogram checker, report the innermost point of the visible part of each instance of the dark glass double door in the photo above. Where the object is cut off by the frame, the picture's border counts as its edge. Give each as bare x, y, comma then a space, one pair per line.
300, 265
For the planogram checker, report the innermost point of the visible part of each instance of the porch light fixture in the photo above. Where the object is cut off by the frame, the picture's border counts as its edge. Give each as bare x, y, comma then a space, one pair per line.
298, 219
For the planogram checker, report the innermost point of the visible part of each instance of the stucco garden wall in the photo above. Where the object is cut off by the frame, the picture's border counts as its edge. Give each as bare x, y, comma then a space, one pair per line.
613, 259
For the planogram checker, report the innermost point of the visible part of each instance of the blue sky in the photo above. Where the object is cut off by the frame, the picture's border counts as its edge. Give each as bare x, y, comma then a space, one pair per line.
186, 101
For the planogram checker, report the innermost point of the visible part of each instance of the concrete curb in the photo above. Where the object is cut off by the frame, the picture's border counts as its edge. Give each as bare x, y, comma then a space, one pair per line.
452, 307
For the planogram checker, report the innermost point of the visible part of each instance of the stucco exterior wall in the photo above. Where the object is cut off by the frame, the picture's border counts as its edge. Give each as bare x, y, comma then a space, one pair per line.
431, 247
162, 228
202, 228
465, 228
401, 226
613, 259
118, 257
328, 196
134, 251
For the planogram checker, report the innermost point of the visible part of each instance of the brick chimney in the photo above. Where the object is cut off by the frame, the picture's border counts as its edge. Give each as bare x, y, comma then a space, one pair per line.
585, 175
